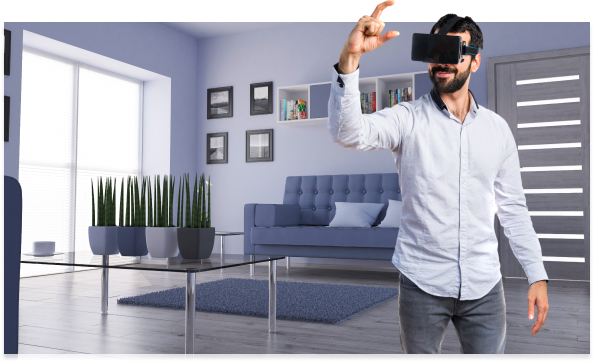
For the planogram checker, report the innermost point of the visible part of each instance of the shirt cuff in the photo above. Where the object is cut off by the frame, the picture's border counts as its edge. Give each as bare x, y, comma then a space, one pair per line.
536, 272
345, 84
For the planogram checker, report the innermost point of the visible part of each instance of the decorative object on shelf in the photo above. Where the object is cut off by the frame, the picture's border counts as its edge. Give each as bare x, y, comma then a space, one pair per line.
7, 41
260, 98
102, 233
161, 234
6, 117
216, 147
131, 231
195, 236
258, 145
219, 103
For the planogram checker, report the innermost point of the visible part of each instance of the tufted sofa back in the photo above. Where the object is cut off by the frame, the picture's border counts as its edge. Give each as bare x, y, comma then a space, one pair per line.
317, 195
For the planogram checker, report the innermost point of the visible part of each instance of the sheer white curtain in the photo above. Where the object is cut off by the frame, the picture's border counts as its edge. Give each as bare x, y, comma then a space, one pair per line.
77, 123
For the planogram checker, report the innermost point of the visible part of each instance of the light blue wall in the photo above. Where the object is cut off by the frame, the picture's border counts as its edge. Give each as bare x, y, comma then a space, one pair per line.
295, 53
301, 53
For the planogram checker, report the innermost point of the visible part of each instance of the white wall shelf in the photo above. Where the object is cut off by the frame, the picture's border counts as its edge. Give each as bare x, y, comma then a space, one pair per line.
380, 84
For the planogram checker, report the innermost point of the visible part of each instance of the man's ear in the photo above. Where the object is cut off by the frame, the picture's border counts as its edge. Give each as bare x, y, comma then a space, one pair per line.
476, 63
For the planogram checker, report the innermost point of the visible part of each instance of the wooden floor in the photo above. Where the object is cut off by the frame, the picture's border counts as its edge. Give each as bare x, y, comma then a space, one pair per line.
60, 314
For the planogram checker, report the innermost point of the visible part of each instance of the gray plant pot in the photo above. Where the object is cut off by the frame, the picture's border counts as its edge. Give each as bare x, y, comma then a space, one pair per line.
195, 243
162, 242
103, 240
132, 241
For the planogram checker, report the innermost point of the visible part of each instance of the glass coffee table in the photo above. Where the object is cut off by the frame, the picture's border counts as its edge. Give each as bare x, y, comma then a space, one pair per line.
176, 265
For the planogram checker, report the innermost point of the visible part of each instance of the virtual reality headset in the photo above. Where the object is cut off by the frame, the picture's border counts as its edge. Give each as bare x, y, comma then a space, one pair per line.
441, 48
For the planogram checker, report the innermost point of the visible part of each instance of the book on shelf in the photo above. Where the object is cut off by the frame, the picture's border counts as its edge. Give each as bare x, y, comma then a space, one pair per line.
292, 109
301, 108
399, 95
368, 103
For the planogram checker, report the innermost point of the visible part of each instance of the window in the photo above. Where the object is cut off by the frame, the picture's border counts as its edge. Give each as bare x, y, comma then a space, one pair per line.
77, 122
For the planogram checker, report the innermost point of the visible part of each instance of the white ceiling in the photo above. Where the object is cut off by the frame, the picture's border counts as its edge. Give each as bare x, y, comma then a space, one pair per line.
208, 30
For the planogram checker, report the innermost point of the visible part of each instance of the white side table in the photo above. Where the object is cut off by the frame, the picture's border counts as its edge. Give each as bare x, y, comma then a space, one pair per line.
222, 234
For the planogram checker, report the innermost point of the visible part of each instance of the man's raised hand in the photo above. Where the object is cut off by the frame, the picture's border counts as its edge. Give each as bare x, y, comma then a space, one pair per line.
364, 38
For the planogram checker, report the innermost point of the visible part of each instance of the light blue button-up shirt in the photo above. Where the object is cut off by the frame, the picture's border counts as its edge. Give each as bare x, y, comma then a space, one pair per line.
453, 177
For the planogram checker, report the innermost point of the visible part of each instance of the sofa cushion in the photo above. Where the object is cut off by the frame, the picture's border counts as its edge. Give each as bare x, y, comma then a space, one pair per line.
393, 215
324, 236
276, 215
355, 214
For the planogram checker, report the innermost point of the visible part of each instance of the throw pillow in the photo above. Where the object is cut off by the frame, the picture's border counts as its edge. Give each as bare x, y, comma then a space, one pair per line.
393, 214
355, 214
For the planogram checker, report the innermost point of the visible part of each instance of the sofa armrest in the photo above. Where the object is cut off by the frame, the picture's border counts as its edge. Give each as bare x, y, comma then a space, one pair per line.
266, 215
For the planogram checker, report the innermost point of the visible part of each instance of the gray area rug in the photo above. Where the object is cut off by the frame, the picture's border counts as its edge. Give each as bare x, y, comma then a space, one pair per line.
309, 302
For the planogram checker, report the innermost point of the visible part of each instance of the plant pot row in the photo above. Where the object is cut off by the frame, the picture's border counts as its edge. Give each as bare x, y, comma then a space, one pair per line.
159, 242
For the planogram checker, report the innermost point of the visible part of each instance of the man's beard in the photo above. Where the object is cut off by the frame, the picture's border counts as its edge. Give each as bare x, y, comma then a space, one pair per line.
444, 85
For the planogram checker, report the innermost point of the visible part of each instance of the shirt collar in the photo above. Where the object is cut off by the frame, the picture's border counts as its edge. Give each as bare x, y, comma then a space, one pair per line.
440, 103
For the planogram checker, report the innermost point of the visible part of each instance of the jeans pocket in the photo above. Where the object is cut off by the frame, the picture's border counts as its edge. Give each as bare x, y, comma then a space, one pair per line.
407, 283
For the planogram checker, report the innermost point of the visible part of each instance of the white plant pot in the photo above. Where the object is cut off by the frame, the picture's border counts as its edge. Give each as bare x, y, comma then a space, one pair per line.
162, 242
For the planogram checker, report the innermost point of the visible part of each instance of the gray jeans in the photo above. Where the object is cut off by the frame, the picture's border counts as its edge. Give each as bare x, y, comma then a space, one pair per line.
480, 323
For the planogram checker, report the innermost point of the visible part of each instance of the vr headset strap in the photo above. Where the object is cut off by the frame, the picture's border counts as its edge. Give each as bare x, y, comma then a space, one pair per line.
449, 25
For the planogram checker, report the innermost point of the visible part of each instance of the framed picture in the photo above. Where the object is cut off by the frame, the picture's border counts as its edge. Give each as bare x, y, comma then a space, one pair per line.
6, 117
216, 147
260, 98
258, 145
6, 52
219, 102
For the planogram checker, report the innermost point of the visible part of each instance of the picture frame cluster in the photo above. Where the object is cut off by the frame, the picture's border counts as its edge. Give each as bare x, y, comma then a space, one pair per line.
258, 143
7, 46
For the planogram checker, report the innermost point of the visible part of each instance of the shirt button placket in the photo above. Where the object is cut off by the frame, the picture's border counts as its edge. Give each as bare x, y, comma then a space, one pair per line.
463, 213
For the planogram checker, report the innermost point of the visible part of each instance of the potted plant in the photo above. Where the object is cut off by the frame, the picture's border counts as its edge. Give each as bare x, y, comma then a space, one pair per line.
102, 232
131, 231
195, 236
161, 234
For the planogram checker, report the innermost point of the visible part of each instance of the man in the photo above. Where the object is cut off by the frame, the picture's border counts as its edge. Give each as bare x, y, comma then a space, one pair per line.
457, 163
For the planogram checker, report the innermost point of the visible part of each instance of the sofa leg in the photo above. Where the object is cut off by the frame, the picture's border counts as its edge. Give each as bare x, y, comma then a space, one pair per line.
252, 258
288, 259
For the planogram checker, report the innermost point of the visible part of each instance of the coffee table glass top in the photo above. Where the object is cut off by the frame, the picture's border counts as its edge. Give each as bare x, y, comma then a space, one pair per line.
87, 259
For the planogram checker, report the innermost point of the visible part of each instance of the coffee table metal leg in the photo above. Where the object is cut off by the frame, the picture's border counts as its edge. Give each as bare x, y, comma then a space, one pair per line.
252, 266
272, 296
104, 284
288, 259
190, 311
222, 245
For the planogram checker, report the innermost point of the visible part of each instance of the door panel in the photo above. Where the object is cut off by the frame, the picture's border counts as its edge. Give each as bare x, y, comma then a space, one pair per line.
552, 179
564, 237
549, 112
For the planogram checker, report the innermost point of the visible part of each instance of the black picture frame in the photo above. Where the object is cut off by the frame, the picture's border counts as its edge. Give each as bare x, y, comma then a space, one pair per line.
262, 105
216, 154
6, 117
223, 104
252, 149
7, 41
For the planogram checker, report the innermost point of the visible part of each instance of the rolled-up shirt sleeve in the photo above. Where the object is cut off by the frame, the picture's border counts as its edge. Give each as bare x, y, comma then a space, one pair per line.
351, 129
514, 217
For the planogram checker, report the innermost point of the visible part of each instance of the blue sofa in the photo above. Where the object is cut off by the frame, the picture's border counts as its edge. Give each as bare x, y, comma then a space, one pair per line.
297, 227
13, 225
